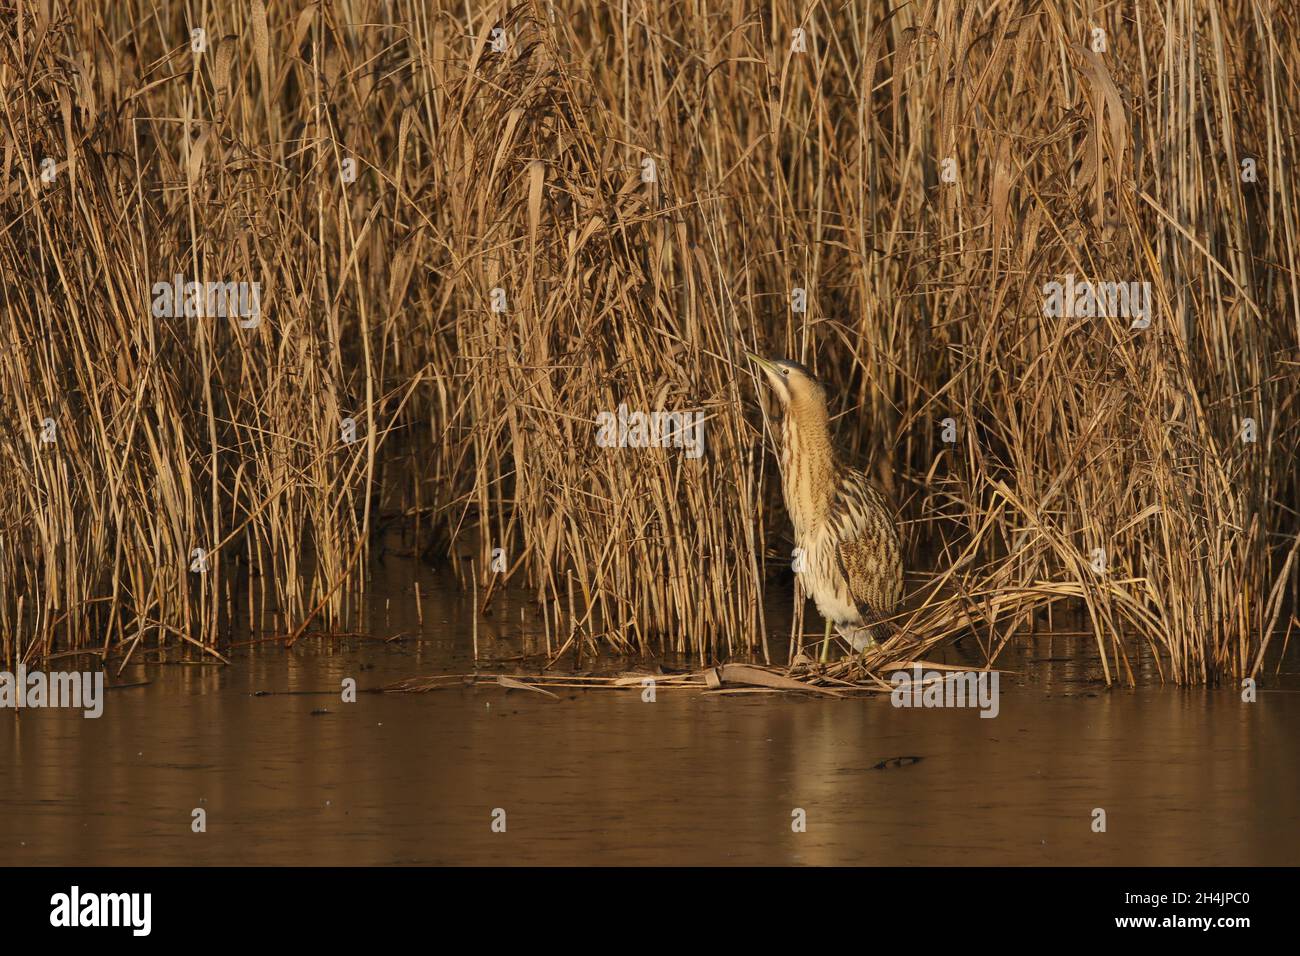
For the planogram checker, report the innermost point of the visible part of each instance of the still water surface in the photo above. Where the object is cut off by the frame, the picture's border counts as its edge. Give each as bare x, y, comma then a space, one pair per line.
599, 777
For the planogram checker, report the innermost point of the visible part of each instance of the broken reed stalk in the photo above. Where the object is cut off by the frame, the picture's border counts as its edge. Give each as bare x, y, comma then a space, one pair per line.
751, 677
462, 263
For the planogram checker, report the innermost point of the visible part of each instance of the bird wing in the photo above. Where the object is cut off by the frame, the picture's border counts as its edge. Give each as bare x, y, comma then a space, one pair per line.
868, 549
853, 557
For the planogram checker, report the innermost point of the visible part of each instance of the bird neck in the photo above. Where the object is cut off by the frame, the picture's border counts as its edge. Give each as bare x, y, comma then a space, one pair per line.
808, 467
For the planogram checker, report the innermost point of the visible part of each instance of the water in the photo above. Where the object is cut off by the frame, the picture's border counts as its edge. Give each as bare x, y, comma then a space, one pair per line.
1184, 776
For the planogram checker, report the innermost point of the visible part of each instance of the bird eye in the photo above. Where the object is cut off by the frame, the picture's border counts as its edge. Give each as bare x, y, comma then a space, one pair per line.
785, 371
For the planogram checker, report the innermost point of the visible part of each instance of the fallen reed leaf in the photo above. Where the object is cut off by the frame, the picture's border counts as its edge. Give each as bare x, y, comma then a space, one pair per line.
511, 684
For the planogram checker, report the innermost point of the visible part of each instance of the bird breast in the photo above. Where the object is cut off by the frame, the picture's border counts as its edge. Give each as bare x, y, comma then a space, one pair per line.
822, 578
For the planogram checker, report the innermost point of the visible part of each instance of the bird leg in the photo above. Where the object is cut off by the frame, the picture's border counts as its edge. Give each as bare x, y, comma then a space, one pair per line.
826, 642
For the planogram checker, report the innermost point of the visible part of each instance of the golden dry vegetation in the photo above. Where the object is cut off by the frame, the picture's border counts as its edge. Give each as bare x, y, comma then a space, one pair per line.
921, 173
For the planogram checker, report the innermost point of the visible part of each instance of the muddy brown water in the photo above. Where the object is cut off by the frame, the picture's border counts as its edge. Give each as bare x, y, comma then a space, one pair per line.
601, 777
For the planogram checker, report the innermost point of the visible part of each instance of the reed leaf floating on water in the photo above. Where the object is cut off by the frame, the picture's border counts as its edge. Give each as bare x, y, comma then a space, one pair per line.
1045, 260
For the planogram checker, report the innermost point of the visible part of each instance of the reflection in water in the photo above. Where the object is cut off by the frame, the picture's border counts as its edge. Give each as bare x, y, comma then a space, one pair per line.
1185, 776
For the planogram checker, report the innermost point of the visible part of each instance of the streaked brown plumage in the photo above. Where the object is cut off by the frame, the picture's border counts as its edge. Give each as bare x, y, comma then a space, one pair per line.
852, 559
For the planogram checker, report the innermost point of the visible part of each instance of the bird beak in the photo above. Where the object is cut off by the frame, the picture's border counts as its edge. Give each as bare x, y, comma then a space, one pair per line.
772, 372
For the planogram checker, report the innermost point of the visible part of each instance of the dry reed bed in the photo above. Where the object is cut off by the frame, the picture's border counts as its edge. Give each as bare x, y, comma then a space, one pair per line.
520, 170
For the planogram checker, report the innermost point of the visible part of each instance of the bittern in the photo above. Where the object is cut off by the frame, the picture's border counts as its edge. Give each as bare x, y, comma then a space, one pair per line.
849, 557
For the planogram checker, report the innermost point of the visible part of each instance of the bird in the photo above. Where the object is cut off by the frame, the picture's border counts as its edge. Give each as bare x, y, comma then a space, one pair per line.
848, 553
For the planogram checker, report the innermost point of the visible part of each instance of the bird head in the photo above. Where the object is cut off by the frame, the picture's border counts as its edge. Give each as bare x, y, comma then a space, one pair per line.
796, 387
